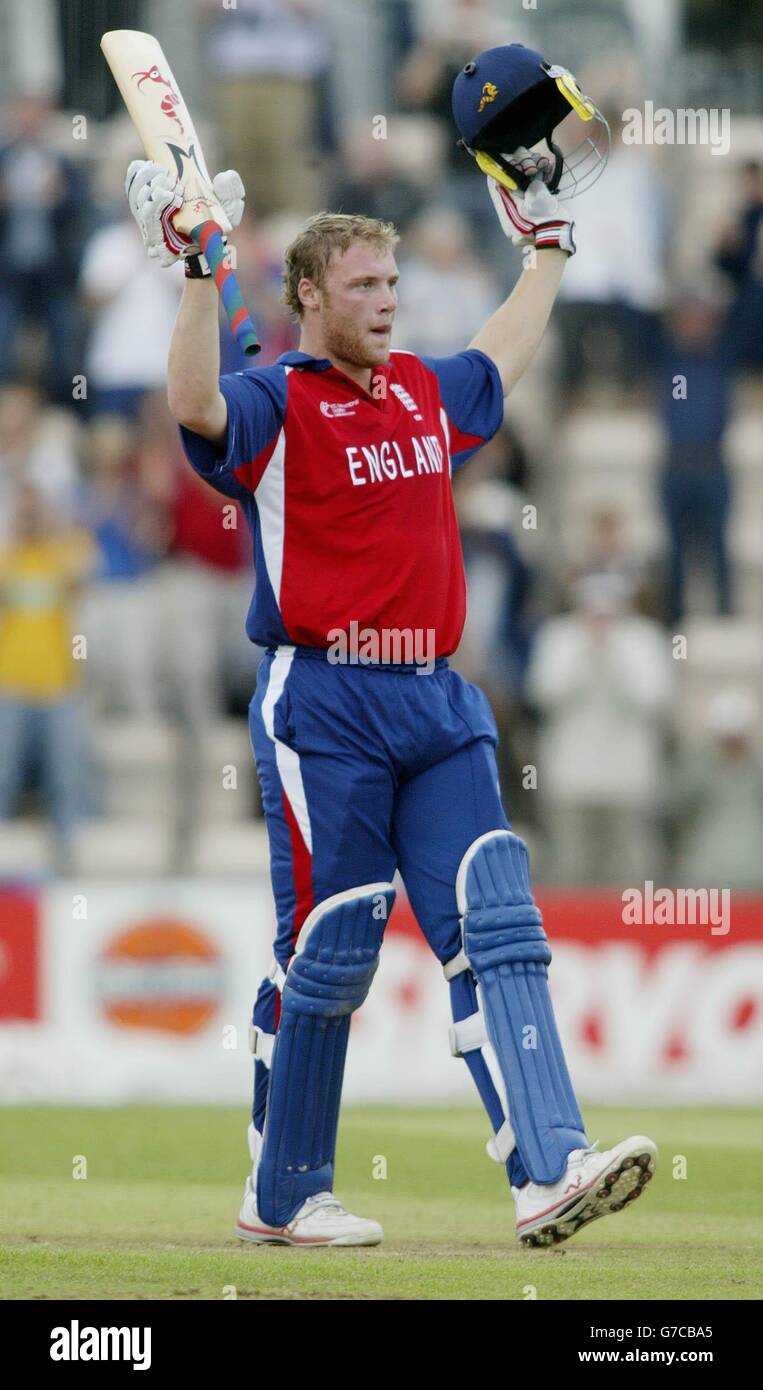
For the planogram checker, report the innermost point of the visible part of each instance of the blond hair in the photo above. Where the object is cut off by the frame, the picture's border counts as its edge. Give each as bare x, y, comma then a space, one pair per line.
309, 254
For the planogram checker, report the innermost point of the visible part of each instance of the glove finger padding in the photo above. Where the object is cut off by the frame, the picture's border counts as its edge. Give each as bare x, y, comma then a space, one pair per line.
139, 173
154, 196
144, 178
229, 190
531, 163
526, 163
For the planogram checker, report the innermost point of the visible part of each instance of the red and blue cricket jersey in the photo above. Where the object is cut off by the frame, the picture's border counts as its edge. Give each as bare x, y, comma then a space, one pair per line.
348, 492
364, 769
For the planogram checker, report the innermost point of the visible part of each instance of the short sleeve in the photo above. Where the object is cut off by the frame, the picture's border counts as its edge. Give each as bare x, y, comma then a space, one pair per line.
256, 403
472, 396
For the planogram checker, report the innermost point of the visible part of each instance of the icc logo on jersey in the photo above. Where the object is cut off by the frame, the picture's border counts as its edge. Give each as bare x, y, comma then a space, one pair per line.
334, 408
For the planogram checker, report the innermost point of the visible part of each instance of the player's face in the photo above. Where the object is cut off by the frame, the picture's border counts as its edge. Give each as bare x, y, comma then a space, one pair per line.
358, 306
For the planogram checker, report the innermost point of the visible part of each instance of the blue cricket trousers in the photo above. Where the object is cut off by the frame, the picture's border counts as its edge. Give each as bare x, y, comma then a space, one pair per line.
365, 770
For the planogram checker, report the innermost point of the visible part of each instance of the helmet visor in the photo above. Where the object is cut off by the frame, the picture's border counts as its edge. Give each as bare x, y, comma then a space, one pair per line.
584, 146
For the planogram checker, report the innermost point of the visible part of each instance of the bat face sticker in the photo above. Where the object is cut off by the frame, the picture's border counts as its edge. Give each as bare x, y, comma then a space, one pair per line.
182, 157
170, 101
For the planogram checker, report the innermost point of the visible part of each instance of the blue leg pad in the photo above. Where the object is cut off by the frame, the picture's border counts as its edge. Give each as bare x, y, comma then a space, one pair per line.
328, 978
509, 954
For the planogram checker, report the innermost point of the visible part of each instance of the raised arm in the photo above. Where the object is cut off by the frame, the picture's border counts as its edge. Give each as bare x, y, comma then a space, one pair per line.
538, 220
512, 334
193, 390
193, 374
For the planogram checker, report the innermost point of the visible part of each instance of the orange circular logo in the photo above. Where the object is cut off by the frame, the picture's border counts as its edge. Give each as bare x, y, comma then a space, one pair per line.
161, 973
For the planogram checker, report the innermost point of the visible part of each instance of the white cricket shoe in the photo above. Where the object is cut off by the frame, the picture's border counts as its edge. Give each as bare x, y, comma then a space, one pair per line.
321, 1220
593, 1184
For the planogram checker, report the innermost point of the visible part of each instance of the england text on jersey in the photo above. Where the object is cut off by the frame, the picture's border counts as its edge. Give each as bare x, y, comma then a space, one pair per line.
348, 493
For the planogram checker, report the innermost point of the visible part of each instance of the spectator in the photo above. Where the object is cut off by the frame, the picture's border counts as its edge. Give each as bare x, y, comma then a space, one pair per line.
694, 381
499, 581
489, 500
118, 608
204, 588
42, 202
267, 57
446, 293
600, 677
738, 241
449, 34
609, 554
41, 725
613, 288
739, 254
38, 444
133, 303
371, 180
718, 799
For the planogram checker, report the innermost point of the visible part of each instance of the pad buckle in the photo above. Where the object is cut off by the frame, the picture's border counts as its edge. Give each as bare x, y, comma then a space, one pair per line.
261, 1044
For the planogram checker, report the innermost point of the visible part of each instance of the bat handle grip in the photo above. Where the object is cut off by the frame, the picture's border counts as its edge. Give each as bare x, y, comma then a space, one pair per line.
210, 238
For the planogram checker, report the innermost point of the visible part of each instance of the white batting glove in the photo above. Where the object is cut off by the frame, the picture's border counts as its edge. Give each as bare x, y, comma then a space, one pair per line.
154, 197
533, 218
229, 190
531, 163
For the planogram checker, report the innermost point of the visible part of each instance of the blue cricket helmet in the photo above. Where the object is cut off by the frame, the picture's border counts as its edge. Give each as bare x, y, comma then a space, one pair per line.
509, 97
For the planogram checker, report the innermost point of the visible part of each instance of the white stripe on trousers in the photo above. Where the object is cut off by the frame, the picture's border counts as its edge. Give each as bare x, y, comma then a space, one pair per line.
287, 761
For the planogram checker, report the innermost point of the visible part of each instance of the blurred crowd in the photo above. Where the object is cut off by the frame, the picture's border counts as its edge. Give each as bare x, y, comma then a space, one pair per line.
124, 579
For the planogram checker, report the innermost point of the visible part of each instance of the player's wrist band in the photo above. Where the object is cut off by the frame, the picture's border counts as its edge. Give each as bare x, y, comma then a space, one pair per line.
197, 268
555, 236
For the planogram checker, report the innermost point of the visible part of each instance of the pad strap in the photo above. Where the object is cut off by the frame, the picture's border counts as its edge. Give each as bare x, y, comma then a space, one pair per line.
467, 1035
277, 975
261, 1044
502, 1143
456, 966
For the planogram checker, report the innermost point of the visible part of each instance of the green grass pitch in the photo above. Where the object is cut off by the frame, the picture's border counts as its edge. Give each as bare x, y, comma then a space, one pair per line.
153, 1217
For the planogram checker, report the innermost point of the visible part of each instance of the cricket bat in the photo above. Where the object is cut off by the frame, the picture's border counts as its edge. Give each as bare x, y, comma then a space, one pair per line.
161, 118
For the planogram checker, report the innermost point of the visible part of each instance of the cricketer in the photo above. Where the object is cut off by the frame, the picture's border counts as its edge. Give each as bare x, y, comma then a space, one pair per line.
371, 761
